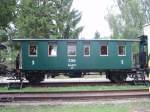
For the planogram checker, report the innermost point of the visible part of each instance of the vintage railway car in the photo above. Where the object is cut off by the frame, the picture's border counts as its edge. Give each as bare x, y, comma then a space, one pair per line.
76, 57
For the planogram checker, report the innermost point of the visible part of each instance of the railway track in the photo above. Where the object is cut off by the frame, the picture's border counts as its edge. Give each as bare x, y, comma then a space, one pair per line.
73, 95
63, 84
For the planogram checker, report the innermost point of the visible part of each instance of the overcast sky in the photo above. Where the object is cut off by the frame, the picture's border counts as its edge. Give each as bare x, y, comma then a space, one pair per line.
93, 13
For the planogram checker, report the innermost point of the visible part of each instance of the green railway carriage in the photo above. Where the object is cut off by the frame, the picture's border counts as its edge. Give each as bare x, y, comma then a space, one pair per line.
76, 57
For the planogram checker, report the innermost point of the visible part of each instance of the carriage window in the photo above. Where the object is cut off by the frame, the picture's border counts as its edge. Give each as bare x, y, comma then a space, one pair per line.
103, 50
52, 49
32, 49
121, 50
71, 49
86, 50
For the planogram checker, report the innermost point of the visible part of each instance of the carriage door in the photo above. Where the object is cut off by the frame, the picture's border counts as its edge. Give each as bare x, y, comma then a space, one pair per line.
143, 50
72, 53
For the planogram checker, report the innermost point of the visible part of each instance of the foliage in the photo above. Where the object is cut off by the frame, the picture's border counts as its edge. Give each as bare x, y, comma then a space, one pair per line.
3, 36
48, 19
32, 19
146, 10
97, 35
67, 20
7, 16
128, 23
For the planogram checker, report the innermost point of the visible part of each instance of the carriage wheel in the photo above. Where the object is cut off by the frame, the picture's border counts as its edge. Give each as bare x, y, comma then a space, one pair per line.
34, 77
76, 75
117, 77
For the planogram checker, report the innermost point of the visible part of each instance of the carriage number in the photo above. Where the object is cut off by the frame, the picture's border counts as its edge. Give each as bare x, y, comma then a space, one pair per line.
71, 60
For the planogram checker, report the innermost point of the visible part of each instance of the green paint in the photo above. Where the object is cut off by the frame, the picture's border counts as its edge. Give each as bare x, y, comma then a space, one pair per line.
61, 61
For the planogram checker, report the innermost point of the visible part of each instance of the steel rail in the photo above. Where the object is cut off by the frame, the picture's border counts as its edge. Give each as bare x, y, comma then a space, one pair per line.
73, 95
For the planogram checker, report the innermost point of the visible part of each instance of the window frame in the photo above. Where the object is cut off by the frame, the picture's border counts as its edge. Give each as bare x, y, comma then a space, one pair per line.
86, 45
20, 57
124, 50
34, 43
52, 43
72, 44
100, 49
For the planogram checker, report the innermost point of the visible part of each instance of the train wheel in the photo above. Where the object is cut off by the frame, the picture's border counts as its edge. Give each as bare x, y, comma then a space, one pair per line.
34, 78
75, 75
117, 77
53, 75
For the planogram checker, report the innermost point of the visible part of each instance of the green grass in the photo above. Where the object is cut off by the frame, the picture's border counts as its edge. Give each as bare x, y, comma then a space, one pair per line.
71, 88
124, 107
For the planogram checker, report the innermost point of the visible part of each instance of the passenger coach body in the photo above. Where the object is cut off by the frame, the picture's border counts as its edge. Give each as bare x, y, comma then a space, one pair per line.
64, 55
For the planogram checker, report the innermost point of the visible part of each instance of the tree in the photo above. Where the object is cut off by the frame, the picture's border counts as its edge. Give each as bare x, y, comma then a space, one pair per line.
48, 19
7, 15
97, 35
146, 10
3, 36
67, 20
129, 23
34, 19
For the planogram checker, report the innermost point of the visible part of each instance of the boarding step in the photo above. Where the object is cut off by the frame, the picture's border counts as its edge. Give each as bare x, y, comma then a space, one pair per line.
139, 78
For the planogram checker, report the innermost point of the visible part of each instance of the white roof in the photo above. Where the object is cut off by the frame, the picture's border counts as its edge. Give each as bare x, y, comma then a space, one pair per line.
129, 40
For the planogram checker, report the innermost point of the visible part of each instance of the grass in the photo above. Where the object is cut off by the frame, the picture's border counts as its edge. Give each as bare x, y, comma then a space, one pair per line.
123, 107
70, 88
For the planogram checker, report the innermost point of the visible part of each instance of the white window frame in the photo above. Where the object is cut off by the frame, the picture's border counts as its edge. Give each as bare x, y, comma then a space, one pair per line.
72, 44
101, 52
89, 49
36, 50
51, 43
124, 50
